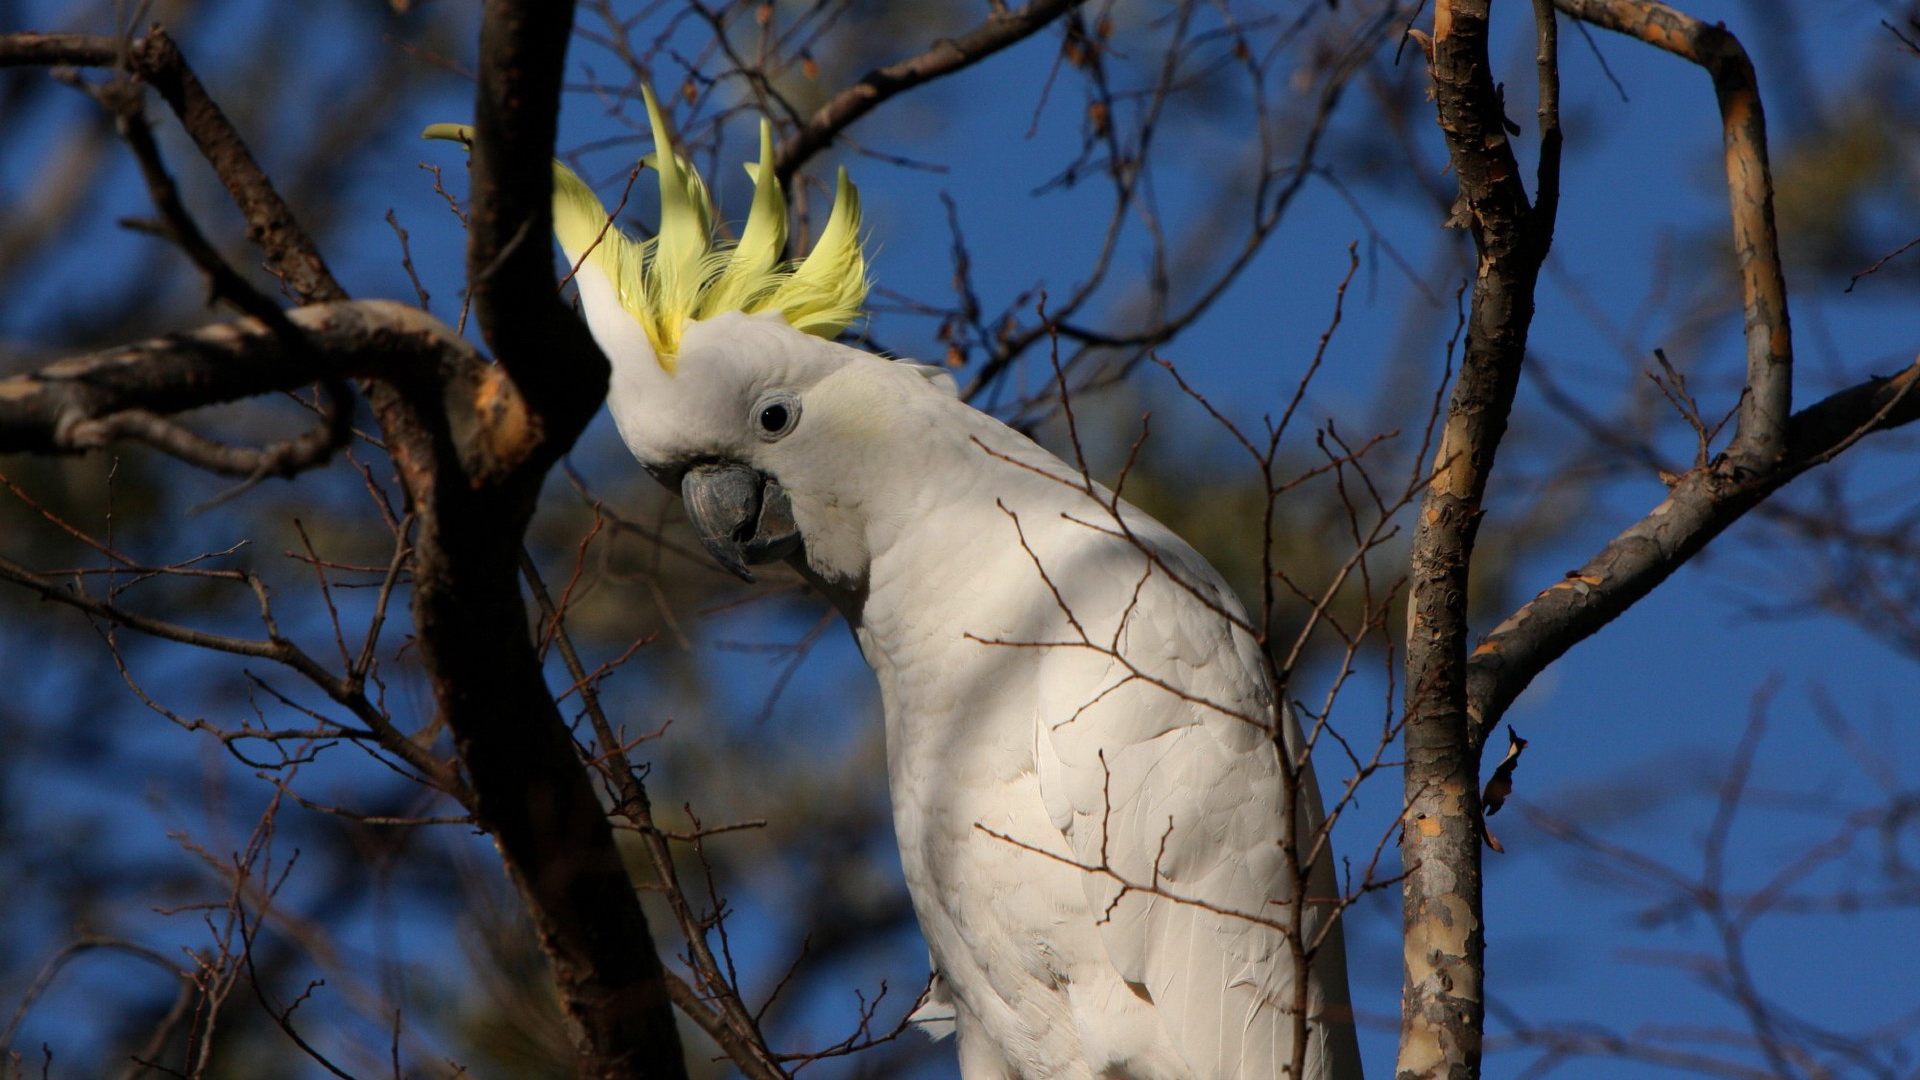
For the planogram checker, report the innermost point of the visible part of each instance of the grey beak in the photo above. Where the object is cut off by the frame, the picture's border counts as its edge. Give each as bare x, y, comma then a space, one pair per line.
741, 515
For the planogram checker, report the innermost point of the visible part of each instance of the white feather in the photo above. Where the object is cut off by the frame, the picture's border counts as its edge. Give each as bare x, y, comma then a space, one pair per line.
1080, 730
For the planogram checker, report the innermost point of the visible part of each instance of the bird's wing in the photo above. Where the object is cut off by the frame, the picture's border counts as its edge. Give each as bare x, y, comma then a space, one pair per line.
1156, 762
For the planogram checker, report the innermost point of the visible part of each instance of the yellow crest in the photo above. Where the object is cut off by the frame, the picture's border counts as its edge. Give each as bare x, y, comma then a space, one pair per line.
685, 273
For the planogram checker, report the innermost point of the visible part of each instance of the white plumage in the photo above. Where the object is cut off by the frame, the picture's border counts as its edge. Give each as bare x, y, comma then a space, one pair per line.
1079, 726
1081, 734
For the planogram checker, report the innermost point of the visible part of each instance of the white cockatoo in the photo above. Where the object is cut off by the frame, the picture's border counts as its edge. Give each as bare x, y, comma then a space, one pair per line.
1085, 752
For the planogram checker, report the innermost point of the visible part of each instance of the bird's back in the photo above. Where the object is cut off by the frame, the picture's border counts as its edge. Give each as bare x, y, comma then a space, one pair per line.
1091, 807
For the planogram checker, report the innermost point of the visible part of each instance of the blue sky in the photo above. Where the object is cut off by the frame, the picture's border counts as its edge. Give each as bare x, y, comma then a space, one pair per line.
1629, 731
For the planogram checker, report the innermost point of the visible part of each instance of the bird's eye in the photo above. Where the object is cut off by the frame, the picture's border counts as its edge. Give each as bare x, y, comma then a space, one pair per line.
775, 415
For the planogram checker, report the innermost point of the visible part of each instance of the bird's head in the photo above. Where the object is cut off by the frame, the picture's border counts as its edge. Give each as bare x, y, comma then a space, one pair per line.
727, 385
779, 440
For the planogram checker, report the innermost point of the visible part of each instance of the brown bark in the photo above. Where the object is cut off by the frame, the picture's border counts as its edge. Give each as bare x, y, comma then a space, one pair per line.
471, 443
64, 406
1771, 447
24, 48
545, 348
1762, 433
290, 252
1698, 508
1453, 702
443, 412
1442, 1007
157, 61
533, 792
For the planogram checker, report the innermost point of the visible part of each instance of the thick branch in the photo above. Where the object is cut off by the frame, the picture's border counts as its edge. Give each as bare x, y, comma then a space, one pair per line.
948, 55
1443, 1006
544, 347
28, 49
472, 443
1762, 433
474, 499
1699, 508
534, 795
1771, 446
64, 406
127, 102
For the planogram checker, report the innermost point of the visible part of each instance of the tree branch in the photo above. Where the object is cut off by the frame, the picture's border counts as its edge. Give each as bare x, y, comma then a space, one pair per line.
474, 482
75, 404
346, 691
1699, 508
1442, 1008
545, 348
26, 48
1769, 396
715, 1005
308, 450
1770, 448
127, 102
948, 55
472, 443
1761, 437
290, 252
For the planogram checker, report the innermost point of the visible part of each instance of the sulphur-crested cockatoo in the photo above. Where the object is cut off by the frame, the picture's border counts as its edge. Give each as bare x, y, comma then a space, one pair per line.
1083, 743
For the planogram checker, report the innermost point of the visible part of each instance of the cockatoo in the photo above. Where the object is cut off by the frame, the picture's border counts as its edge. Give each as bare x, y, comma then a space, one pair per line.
1103, 843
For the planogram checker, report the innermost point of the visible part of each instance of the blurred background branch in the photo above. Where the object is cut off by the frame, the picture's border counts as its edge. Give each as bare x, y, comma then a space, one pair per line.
1247, 195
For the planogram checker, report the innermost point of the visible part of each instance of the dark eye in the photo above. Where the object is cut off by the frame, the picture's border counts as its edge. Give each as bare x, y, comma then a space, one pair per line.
775, 415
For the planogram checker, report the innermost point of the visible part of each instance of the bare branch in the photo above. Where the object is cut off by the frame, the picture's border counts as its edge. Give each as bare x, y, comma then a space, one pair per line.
290, 252
948, 55
1442, 1011
715, 1006
28, 49
1698, 508
77, 403
1761, 437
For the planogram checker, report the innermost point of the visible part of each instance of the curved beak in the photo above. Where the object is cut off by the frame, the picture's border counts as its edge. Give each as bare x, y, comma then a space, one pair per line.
742, 516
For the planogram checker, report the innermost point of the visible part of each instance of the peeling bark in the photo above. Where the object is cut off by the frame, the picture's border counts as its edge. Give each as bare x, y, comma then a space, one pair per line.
1698, 508
1443, 1006
1771, 446
1455, 702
